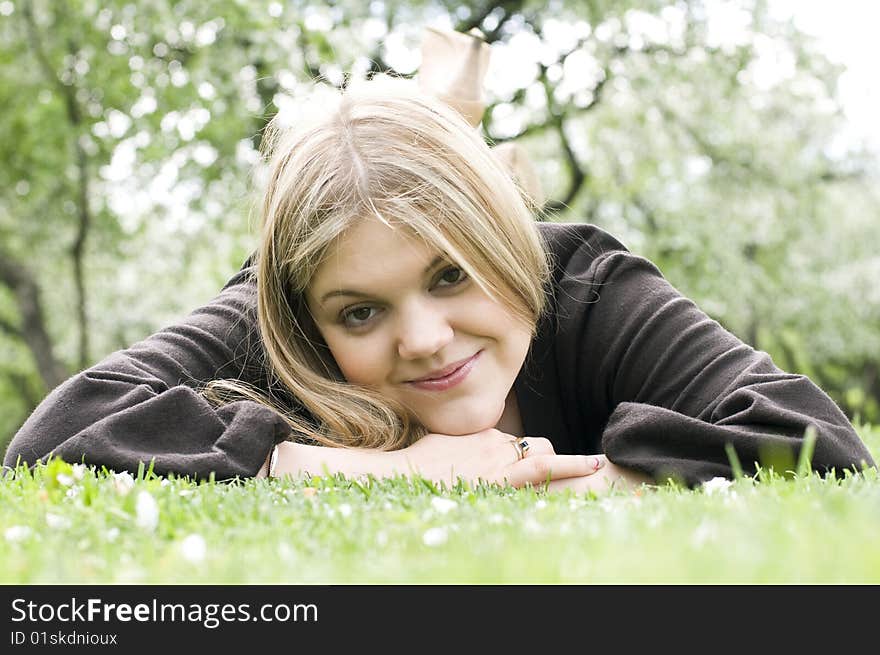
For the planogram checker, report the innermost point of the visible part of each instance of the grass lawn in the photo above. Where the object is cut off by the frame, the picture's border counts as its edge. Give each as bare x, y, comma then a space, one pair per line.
71, 525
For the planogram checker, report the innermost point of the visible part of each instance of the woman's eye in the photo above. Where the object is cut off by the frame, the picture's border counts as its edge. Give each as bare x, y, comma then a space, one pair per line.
451, 276
358, 316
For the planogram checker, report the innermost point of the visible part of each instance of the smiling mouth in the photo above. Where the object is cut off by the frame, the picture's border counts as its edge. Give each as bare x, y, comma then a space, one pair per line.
447, 378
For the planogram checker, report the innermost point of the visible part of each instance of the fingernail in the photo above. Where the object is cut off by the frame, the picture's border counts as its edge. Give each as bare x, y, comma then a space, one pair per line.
598, 463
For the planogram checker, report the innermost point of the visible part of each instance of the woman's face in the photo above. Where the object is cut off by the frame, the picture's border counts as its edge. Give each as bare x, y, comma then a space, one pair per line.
401, 319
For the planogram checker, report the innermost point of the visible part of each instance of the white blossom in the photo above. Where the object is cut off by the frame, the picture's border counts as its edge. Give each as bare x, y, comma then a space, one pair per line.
704, 532
17, 533
112, 534
345, 509
435, 537
194, 548
146, 511
79, 471
57, 522
285, 552
64, 479
123, 482
443, 505
718, 484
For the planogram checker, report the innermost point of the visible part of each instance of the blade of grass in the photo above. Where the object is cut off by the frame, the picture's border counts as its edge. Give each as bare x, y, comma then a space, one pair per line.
734, 461
805, 458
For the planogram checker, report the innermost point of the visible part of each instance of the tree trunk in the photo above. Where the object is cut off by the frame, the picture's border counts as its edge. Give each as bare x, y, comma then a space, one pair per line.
33, 325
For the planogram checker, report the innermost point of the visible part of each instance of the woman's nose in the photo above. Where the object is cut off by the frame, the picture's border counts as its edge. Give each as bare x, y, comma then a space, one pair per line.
423, 332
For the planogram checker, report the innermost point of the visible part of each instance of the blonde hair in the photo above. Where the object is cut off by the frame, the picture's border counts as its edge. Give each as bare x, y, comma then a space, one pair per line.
386, 151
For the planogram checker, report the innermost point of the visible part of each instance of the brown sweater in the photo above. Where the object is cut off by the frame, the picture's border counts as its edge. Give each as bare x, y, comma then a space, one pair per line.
622, 364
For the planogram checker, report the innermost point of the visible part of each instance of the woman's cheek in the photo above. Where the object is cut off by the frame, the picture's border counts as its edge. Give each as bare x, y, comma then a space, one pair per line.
359, 360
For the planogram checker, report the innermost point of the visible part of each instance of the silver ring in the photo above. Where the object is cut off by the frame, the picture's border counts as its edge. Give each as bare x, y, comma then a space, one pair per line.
522, 447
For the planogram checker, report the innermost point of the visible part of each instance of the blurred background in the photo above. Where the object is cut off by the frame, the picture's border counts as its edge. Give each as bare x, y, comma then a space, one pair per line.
729, 142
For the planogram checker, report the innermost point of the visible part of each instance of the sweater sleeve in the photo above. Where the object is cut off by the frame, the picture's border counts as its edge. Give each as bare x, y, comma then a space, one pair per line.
676, 387
142, 403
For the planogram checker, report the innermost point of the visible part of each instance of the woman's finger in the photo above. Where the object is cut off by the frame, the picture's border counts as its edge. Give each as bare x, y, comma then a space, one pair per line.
539, 469
611, 477
523, 447
538, 446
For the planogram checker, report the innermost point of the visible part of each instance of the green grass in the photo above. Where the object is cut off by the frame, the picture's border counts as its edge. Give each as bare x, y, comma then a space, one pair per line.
60, 526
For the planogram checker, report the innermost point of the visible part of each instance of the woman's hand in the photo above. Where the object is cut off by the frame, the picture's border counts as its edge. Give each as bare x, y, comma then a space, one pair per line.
491, 456
611, 476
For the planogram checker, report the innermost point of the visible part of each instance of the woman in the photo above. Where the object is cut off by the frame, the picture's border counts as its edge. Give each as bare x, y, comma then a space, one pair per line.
405, 314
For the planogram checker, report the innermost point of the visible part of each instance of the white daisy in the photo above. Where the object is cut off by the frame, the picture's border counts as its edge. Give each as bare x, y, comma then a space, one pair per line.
147, 511
704, 532
57, 522
64, 479
435, 537
194, 548
718, 484
16, 533
123, 482
443, 505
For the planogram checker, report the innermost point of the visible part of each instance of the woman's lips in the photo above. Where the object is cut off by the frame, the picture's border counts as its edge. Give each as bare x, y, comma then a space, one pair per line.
456, 377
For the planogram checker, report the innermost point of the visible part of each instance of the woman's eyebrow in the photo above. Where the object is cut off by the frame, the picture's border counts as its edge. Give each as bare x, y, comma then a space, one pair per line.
439, 259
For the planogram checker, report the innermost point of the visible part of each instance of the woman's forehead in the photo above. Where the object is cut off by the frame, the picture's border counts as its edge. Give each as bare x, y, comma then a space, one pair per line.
373, 251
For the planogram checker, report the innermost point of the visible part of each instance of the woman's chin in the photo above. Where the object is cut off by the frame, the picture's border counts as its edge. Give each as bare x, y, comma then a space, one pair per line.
461, 426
